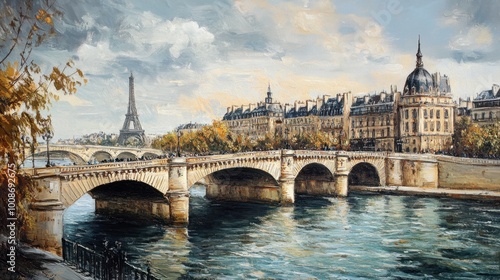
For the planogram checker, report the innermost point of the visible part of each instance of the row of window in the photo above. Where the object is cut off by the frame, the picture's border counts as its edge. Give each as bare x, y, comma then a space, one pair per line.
372, 121
299, 120
374, 133
327, 122
414, 113
428, 126
488, 103
491, 115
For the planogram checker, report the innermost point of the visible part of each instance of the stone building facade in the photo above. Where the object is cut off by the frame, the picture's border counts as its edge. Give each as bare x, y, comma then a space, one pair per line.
255, 120
486, 106
426, 111
464, 108
373, 121
420, 119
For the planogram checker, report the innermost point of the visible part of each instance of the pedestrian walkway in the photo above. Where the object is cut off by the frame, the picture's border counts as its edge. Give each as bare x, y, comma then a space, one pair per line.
435, 192
33, 263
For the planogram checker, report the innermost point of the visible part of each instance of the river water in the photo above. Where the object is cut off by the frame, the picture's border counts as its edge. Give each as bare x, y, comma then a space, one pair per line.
359, 237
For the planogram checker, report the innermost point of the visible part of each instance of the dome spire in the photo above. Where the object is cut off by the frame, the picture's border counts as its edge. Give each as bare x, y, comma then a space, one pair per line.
269, 98
420, 63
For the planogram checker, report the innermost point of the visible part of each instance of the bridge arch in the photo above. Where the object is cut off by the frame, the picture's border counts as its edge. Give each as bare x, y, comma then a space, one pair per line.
365, 174
126, 155
300, 162
242, 184
242, 175
101, 156
314, 179
270, 164
76, 158
75, 186
150, 155
376, 160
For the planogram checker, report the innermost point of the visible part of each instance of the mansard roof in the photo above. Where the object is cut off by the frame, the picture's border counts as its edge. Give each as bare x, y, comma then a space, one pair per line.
332, 107
489, 94
301, 111
382, 102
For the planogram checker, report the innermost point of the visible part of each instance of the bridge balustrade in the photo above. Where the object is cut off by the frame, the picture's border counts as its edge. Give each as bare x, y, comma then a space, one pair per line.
202, 159
127, 164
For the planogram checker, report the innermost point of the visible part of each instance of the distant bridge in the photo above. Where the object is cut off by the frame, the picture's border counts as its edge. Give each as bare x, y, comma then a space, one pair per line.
82, 154
160, 187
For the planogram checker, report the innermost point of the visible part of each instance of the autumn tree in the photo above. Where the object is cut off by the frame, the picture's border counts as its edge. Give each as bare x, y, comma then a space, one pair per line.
26, 89
473, 140
166, 143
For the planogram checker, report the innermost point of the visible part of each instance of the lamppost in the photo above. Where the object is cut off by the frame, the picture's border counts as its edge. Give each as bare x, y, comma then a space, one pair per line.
341, 139
178, 143
25, 140
47, 135
286, 137
362, 144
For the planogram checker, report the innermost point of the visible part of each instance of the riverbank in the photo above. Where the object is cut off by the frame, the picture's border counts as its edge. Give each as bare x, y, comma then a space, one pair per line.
33, 263
430, 192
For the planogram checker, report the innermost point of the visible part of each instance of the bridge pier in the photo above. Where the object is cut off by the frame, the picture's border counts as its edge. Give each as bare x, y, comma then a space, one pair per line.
47, 213
178, 194
341, 176
287, 180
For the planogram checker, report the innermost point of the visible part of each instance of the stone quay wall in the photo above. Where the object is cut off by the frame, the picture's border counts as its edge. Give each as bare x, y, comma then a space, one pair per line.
469, 173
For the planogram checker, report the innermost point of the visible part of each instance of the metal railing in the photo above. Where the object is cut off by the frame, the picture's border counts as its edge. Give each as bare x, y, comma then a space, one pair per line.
110, 264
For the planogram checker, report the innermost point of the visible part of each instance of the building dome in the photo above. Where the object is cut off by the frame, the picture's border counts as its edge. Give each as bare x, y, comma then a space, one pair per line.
419, 79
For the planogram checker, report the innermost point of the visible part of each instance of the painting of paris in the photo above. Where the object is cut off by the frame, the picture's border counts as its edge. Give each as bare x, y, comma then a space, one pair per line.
250, 139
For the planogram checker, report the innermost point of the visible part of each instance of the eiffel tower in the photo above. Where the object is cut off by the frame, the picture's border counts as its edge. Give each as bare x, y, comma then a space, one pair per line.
132, 125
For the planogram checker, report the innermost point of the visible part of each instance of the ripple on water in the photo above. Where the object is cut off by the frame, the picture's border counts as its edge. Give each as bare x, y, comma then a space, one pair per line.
359, 237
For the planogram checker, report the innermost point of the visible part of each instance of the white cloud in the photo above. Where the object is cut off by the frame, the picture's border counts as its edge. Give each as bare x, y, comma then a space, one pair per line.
149, 33
74, 100
477, 38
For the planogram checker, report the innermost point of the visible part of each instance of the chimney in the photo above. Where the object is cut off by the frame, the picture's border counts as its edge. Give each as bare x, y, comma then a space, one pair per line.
383, 95
319, 102
495, 89
339, 97
309, 105
251, 106
228, 110
394, 88
325, 98
367, 98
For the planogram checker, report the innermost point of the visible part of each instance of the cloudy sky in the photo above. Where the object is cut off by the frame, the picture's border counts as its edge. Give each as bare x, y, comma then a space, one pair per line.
192, 59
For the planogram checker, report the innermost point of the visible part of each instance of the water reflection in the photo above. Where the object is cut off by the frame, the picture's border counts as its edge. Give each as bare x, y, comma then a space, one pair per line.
362, 236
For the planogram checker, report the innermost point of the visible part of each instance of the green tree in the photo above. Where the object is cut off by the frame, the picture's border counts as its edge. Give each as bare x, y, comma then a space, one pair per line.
26, 91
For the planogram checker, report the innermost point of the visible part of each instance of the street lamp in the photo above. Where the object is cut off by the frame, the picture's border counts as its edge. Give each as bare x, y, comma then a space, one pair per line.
341, 139
178, 143
47, 135
25, 140
286, 137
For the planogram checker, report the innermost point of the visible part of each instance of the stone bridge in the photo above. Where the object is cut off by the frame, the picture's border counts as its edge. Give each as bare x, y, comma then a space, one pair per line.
82, 154
159, 188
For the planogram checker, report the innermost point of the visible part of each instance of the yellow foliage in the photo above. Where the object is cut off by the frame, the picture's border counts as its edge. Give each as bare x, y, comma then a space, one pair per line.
26, 92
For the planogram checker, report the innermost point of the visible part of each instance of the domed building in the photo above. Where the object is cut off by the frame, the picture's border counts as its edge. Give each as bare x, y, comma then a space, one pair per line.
426, 111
